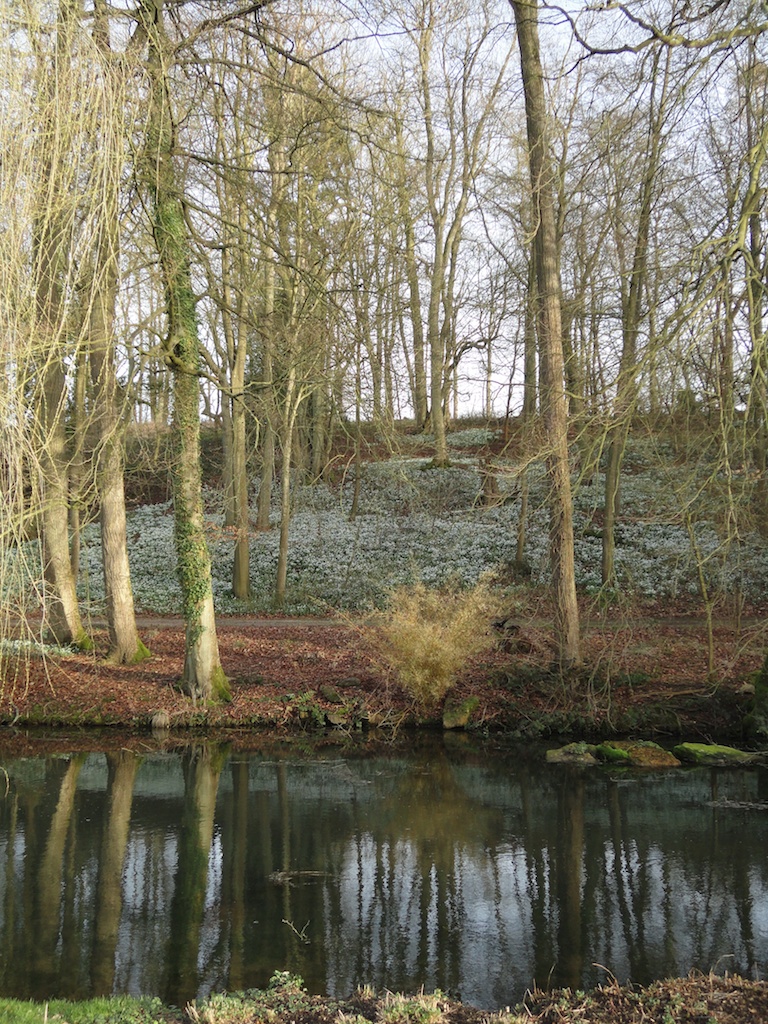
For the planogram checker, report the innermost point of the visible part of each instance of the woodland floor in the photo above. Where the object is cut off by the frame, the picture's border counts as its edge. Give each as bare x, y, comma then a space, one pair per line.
646, 676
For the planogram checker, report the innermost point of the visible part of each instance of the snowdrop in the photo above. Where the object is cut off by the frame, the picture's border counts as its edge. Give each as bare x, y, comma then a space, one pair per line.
417, 523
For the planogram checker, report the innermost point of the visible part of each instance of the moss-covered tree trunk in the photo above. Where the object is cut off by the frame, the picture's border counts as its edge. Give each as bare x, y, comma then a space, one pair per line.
203, 677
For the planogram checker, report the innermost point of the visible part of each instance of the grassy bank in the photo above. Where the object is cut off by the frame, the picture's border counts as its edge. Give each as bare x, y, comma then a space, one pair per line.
700, 999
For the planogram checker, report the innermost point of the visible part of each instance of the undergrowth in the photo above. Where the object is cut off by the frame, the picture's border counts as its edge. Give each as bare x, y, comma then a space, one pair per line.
426, 637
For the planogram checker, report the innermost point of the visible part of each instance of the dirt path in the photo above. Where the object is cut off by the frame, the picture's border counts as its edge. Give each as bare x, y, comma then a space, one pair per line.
229, 622
694, 622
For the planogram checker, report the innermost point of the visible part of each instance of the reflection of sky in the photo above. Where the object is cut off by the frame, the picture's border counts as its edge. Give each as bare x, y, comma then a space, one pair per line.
488, 910
652, 911
148, 884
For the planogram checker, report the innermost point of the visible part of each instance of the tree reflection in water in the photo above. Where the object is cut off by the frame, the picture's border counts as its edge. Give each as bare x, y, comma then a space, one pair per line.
177, 874
121, 774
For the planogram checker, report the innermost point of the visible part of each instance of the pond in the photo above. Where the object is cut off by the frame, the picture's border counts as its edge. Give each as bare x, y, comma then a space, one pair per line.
435, 863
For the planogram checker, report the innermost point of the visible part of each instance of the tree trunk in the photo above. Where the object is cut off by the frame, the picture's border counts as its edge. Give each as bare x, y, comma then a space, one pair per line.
124, 643
420, 401
530, 390
62, 613
268, 411
203, 677
277, 165
528, 411
267, 475
227, 448
292, 403
419, 381
237, 456
241, 580
758, 393
77, 464
626, 386
554, 399
437, 369
121, 775
202, 771
50, 240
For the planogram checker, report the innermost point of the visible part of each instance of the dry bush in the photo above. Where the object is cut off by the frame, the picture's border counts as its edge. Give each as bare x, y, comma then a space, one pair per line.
426, 637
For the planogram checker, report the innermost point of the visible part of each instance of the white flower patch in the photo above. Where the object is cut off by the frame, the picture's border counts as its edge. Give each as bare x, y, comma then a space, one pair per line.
415, 523
472, 437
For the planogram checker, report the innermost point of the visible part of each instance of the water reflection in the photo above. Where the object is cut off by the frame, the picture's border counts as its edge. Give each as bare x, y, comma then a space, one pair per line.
176, 874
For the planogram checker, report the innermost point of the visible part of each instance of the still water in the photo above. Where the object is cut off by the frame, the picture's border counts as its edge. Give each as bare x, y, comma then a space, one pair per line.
476, 872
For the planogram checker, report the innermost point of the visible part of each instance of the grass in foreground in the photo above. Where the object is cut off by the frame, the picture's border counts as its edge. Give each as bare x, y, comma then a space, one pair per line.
105, 1010
697, 999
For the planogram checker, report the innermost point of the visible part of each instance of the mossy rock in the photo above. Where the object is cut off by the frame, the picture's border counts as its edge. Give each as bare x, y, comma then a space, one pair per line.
331, 694
761, 687
573, 753
160, 721
612, 754
713, 754
756, 725
646, 754
457, 716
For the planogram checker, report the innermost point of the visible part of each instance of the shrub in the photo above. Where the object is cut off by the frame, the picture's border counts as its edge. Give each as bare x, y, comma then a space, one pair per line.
426, 637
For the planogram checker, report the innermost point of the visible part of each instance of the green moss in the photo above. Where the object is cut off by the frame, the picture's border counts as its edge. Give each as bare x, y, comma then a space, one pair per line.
711, 754
457, 716
142, 653
139, 655
220, 690
614, 755
83, 642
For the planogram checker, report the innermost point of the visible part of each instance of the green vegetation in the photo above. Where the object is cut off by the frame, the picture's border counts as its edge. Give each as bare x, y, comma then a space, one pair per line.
105, 1010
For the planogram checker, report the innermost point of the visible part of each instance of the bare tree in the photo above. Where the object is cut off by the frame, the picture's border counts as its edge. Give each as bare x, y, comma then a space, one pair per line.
125, 645
55, 213
633, 288
554, 401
